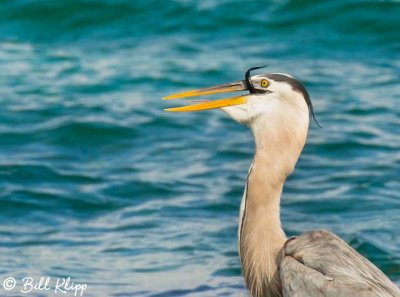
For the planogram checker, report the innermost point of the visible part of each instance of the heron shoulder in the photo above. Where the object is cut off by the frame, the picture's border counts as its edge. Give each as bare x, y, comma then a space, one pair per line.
335, 267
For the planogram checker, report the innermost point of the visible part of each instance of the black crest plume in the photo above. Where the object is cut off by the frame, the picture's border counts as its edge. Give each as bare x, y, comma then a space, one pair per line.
247, 81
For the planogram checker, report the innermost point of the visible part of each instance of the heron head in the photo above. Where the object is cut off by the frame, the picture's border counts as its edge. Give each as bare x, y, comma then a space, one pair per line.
270, 95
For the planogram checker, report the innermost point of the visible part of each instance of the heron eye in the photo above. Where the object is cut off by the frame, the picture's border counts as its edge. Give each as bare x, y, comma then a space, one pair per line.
264, 83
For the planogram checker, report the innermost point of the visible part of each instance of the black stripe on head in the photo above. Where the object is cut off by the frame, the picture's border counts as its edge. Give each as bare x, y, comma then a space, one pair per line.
297, 87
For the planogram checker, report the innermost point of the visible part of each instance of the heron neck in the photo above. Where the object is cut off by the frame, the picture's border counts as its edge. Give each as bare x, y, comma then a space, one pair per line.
264, 190
261, 234
261, 230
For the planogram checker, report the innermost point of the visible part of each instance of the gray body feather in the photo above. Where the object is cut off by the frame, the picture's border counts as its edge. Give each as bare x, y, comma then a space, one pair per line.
320, 264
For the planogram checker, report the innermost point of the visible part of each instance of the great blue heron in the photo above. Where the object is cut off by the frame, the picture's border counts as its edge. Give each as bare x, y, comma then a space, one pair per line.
316, 263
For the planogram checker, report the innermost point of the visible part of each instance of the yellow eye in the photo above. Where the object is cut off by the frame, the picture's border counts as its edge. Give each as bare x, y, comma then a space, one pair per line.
264, 83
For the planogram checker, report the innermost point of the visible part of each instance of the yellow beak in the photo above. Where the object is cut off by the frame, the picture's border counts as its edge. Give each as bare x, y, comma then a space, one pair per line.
225, 88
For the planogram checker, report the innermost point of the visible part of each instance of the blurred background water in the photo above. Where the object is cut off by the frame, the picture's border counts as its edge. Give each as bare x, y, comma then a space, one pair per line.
99, 184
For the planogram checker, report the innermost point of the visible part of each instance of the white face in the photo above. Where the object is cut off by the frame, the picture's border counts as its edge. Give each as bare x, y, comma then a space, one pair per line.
276, 97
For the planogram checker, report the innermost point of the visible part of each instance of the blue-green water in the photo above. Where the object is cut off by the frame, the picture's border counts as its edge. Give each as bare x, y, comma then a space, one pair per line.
99, 184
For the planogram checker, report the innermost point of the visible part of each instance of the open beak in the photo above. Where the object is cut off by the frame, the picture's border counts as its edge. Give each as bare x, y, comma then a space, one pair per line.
225, 88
